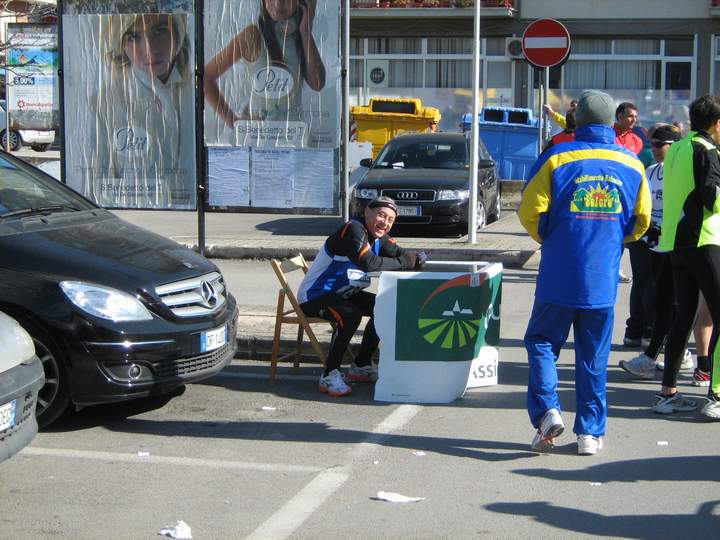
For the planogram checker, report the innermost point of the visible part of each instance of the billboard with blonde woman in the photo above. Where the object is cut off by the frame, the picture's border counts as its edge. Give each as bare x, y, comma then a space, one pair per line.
272, 73
130, 102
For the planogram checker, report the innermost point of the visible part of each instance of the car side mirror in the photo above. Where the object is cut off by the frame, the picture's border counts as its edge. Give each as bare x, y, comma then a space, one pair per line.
485, 163
366, 162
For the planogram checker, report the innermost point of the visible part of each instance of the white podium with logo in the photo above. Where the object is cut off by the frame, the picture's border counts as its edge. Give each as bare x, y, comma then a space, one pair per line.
439, 333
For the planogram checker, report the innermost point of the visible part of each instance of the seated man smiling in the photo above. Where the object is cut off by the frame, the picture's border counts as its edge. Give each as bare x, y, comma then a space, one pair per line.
327, 291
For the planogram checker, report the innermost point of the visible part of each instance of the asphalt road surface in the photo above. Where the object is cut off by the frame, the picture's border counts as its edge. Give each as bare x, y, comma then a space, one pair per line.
236, 458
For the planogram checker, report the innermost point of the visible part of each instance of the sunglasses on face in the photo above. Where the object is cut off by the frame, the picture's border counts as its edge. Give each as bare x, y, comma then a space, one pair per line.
659, 144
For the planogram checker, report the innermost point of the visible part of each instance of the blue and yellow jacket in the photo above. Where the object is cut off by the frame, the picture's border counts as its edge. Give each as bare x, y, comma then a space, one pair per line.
582, 201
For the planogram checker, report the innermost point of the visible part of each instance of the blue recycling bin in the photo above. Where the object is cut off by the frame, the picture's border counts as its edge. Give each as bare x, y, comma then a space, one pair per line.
511, 136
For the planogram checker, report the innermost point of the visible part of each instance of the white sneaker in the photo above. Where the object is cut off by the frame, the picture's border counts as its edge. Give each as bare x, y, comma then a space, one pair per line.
673, 403
334, 384
551, 426
641, 366
687, 362
362, 374
589, 445
622, 278
711, 410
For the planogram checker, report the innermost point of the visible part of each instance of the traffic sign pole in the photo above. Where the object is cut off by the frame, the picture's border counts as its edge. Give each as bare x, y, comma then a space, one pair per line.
546, 43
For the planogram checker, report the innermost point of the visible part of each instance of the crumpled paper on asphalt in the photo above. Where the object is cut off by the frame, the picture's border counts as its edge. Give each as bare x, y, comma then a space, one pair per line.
181, 531
397, 498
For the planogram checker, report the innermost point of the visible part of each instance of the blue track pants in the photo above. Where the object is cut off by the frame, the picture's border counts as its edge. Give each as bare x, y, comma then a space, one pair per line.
546, 334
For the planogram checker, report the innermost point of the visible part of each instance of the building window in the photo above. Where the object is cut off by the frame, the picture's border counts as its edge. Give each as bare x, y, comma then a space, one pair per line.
499, 75
405, 74
591, 46
679, 47
395, 45
356, 73
449, 74
356, 46
637, 46
450, 45
678, 76
495, 46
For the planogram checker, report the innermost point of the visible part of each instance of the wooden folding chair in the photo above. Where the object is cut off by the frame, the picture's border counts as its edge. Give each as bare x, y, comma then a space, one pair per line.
294, 315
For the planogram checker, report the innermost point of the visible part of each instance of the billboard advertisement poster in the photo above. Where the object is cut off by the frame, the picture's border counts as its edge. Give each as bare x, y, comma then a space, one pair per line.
32, 62
272, 73
130, 103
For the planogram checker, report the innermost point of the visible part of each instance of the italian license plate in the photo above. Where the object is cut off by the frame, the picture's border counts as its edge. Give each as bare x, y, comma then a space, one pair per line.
409, 211
213, 339
7, 415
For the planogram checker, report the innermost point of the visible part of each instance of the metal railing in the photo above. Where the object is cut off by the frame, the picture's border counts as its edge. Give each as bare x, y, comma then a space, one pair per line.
505, 4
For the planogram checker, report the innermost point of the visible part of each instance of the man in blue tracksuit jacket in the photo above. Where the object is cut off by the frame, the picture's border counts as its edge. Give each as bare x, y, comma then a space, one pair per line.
583, 200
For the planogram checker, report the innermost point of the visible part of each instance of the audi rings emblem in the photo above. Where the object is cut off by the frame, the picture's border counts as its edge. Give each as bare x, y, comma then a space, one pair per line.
208, 293
407, 195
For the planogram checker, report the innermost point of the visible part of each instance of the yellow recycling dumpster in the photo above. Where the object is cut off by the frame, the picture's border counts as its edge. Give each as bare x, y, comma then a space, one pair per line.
384, 118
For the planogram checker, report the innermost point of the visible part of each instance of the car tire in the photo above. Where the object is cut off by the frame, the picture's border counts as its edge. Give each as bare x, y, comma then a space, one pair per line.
54, 396
495, 216
481, 215
41, 147
15, 142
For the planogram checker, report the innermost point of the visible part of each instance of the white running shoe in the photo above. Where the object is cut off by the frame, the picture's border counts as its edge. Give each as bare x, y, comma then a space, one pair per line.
622, 278
711, 410
687, 362
551, 426
333, 384
673, 403
362, 374
589, 445
641, 366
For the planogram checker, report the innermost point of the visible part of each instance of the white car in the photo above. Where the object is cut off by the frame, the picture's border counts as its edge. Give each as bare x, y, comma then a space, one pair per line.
21, 377
37, 140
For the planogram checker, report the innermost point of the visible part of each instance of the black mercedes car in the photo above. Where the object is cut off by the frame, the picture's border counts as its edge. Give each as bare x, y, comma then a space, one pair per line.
115, 312
427, 175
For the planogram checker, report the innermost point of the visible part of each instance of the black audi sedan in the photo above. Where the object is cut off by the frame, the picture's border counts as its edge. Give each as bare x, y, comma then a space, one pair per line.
427, 175
115, 312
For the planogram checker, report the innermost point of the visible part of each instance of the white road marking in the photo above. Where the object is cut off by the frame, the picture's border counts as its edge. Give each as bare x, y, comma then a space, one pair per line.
290, 517
559, 42
168, 460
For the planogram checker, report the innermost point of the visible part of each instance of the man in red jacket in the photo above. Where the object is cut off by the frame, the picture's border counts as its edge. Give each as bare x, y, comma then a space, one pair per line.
626, 116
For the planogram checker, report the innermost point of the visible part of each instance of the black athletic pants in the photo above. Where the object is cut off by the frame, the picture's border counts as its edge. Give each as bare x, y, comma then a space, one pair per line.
347, 314
642, 292
664, 301
693, 269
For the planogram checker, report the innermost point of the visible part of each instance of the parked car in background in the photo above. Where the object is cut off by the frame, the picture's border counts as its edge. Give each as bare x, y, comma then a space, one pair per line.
21, 376
115, 312
427, 176
37, 140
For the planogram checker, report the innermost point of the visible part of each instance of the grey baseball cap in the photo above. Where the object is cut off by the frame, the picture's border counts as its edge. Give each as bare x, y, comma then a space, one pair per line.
595, 107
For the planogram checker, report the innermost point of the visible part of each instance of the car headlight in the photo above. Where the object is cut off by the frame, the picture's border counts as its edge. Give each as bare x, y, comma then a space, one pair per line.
453, 194
365, 193
105, 302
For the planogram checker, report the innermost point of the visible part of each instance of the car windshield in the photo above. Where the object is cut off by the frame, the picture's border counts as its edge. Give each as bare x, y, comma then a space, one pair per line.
423, 155
24, 193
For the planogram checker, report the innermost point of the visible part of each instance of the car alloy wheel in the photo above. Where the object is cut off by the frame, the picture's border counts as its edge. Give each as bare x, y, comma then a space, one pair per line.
14, 140
481, 215
53, 397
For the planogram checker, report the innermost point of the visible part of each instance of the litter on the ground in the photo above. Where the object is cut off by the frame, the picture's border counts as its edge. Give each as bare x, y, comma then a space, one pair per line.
419, 453
142, 453
266, 408
596, 483
376, 462
181, 531
397, 498
662, 443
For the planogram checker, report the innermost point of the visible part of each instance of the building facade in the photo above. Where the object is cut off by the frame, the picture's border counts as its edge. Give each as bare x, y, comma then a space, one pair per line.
659, 54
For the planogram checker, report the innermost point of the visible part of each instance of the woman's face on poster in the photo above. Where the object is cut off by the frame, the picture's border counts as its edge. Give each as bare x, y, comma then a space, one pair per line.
151, 44
281, 10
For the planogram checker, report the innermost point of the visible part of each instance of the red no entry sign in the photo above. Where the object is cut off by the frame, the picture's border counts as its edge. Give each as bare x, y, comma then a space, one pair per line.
546, 43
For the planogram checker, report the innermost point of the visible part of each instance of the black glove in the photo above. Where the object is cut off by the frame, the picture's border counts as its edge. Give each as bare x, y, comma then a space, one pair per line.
652, 236
408, 260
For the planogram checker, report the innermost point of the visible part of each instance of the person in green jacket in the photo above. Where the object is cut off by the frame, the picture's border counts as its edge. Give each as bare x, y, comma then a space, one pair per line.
691, 231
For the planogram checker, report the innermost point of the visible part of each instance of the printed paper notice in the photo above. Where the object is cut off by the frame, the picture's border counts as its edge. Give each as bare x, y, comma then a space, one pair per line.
271, 183
314, 178
229, 176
